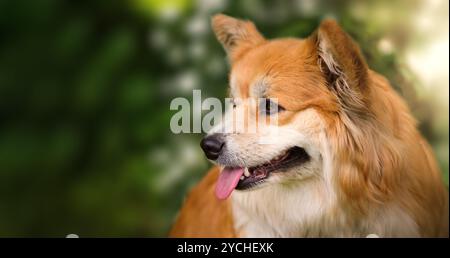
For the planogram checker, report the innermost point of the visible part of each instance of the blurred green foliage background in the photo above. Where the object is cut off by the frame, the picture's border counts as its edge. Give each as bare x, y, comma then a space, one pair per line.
85, 88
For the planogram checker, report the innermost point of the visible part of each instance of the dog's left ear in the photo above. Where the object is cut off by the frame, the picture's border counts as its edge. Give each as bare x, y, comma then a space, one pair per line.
236, 36
343, 65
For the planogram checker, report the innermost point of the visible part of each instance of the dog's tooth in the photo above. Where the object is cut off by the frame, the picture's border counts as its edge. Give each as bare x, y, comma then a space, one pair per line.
242, 177
246, 172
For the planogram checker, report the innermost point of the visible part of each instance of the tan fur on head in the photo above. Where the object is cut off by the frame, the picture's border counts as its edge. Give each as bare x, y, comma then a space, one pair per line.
370, 171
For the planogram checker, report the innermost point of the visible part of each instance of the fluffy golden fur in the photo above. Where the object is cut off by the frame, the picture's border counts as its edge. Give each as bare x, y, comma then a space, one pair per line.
371, 170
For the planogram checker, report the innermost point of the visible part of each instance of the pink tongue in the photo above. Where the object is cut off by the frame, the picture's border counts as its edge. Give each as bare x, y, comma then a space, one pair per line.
228, 180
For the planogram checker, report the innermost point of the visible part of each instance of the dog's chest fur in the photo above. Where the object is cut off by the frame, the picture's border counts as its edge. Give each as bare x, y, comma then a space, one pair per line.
310, 210
278, 212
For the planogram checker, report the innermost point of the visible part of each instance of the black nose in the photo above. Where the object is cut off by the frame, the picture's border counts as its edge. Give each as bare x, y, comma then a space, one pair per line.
212, 146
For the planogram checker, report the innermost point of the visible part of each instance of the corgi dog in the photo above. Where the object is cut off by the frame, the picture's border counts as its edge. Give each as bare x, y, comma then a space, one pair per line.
347, 159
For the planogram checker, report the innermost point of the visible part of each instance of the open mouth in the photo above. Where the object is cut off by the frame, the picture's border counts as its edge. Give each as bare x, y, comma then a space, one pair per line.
246, 178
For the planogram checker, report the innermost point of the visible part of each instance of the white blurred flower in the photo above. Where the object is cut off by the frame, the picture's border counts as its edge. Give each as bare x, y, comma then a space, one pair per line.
169, 14
159, 38
431, 64
359, 10
197, 26
180, 84
430, 58
190, 154
171, 175
197, 49
187, 156
160, 155
306, 7
385, 46
211, 6
255, 10
424, 23
187, 81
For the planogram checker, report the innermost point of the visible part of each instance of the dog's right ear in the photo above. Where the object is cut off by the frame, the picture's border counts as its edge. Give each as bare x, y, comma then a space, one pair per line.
236, 36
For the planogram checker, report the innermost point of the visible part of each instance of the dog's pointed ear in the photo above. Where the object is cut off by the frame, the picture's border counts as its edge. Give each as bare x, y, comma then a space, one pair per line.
343, 65
236, 36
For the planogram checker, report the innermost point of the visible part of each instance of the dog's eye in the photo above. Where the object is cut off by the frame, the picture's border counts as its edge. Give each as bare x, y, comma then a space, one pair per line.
270, 107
